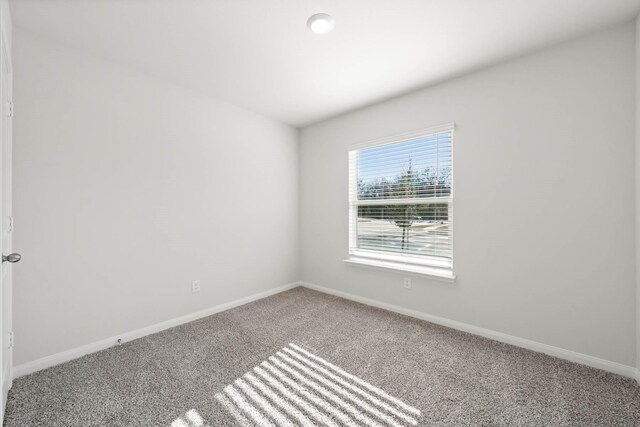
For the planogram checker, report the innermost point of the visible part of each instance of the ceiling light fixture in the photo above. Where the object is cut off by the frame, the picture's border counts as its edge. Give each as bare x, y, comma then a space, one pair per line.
321, 23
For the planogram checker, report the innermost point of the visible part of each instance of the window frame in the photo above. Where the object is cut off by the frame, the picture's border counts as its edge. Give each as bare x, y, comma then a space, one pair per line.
434, 267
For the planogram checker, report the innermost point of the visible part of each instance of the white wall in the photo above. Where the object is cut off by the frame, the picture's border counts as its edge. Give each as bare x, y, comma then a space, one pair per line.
637, 110
544, 197
127, 188
6, 21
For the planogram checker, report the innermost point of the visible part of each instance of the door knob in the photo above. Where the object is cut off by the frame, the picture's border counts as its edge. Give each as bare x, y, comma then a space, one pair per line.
11, 258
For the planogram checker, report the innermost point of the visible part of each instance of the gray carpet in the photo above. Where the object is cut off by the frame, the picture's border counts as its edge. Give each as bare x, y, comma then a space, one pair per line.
305, 358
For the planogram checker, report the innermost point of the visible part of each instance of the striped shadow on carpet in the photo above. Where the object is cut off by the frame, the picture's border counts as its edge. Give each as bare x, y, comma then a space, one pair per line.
306, 358
296, 387
191, 419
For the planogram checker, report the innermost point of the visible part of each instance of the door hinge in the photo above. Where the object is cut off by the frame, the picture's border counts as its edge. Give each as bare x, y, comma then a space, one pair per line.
11, 340
10, 224
10, 108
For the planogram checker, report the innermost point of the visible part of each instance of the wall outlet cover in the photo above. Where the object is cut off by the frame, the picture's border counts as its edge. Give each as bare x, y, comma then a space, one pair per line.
195, 286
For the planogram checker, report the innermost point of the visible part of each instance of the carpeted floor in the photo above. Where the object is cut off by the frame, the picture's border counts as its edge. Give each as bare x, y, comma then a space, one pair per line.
305, 358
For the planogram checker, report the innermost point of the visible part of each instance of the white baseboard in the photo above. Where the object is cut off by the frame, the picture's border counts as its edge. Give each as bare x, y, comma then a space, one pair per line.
572, 356
5, 392
74, 353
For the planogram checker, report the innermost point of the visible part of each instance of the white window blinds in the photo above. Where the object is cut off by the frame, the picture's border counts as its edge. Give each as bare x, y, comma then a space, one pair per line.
400, 197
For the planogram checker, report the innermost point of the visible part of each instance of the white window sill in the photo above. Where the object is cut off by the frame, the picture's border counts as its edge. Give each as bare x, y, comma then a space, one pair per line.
434, 273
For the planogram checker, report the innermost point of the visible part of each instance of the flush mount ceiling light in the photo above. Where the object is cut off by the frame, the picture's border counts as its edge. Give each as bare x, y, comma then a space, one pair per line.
321, 23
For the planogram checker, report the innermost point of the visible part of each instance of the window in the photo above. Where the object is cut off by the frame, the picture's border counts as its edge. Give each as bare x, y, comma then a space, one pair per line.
400, 203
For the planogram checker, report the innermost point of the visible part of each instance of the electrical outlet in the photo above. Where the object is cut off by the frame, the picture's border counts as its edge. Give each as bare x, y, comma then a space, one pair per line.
407, 283
195, 286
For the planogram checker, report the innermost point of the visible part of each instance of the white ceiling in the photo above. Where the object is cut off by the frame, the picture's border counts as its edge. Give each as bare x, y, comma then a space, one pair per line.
258, 54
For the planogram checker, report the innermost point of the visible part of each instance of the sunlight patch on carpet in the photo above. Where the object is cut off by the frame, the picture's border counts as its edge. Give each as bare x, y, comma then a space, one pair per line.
296, 387
191, 419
